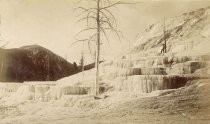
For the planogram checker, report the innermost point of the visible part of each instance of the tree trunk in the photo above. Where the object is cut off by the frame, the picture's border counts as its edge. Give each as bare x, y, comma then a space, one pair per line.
97, 50
164, 31
82, 60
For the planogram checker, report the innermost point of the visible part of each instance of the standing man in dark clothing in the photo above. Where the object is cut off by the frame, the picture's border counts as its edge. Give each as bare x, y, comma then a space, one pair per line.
163, 50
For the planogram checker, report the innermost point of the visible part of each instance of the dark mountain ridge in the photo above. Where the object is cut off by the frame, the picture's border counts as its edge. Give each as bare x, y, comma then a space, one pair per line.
33, 63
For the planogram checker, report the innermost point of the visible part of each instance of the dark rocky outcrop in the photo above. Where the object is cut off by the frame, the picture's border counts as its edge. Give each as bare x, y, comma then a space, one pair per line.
33, 63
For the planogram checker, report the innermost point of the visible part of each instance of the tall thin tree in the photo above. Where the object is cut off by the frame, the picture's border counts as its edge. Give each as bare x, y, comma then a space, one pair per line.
82, 60
103, 21
164, 36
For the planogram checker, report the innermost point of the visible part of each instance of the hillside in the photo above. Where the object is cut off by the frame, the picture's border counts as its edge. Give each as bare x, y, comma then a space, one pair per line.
188, 33
32, 63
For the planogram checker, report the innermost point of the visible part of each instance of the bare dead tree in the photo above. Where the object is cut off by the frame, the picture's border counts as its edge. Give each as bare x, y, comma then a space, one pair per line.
164, 33
99, 20
82, 60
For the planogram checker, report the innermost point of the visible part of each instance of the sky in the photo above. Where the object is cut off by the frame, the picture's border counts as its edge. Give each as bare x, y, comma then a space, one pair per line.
52, 23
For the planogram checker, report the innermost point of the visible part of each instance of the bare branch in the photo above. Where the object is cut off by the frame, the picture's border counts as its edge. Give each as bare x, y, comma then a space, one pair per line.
90, 50
84, 0
117, 32
104, 15
88, 15
106, 22
116, 3
86, 29
104, 32
85, 10
110, 5
113, 17
85, 18
77, 41
86, 40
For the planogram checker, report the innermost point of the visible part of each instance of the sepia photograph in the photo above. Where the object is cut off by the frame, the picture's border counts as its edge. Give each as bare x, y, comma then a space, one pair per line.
104, 61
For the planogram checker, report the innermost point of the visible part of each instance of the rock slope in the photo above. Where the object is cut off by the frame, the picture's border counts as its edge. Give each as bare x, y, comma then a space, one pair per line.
32, 63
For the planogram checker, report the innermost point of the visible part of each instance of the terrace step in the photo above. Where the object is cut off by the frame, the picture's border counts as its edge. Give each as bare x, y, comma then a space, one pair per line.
188, 67
155, 61
119, 72
149, 83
